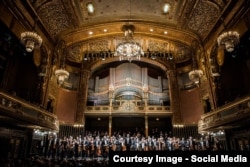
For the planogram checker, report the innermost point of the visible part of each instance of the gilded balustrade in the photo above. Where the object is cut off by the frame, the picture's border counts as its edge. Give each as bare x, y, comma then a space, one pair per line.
14, 107
235, 111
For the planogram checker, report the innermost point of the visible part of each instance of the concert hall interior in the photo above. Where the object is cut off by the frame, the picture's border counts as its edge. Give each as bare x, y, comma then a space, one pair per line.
123, 76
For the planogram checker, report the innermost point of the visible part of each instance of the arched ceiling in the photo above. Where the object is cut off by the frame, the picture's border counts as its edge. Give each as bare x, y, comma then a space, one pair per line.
69, 21
194, 18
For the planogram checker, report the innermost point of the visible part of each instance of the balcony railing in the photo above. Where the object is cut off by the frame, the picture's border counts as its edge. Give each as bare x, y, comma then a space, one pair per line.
136, 110
226, 115
14, 107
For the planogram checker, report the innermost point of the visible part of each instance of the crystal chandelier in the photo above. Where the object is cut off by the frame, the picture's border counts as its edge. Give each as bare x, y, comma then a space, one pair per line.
61, 75
129, 49
229, 39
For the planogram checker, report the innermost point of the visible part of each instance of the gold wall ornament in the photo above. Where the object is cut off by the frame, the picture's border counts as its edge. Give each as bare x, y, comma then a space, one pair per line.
220, 56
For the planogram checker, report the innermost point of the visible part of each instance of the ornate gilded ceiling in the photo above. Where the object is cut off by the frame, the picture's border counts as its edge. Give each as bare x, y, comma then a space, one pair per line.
186, 21
198, 16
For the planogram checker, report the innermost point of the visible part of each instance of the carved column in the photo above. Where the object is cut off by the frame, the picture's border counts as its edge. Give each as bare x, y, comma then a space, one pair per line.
110, 125
82, 96
145, 85
146, 125
174, 96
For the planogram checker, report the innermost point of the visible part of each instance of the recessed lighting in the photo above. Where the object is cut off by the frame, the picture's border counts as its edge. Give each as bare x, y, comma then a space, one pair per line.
90, 32
105, 30
151, 29
90, 7
166, 7
165, 32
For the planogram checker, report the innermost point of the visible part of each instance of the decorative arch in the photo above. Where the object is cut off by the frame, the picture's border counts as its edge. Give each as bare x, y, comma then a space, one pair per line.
96, 65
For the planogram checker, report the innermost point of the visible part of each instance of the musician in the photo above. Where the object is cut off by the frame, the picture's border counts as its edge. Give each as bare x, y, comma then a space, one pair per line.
175, 144
191, 144
137, 144
208, 143
80, 145
91, 146
118, 143
150, 144
123, 145
85, 147
56, 147
161, 143
76, 145
132, 146
143, 144
71, 147
128, 142
63, 148
105, 146
169, 144
98, 146
52, 147
182, 144
154, 144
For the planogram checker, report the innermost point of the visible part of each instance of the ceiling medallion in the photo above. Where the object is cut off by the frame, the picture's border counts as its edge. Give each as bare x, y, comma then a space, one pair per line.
129, 49
229, 39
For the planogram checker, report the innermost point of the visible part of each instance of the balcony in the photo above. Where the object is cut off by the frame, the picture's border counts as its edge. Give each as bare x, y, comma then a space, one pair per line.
19, 112
126, 107
232, 115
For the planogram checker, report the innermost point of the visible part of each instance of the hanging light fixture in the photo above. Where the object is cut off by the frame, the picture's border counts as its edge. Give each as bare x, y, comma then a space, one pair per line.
228, 39
195, 76
129, 49
196, 73
61, 74
31, 40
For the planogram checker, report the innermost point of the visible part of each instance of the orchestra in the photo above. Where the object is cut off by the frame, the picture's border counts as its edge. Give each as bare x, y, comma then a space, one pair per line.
90, 146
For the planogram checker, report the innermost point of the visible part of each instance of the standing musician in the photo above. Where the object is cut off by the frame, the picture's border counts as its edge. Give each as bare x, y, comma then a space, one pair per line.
91, 146
182, 144
118, 143
105, 146
191, 144
113, 143
137, 144
79, 141
123, 145
150, 144
207, 143
143, 144
76, 145
161, 143
175, 143
85, 147
169, 144
154, 144
98, 146
128, 142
